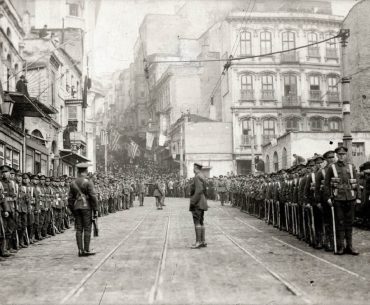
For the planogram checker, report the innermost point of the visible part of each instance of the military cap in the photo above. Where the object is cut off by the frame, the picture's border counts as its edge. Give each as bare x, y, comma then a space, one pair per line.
341, 150
25, 175
365, 166
200, 166
18, 173
12, 170
5, 168
35, 177
47, 179
318, 157
310, 162
54, 179
328, 154
42, 177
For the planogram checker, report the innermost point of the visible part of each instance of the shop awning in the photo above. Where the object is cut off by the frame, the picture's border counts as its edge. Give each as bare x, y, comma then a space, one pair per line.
24, 106
72, 157
48, 109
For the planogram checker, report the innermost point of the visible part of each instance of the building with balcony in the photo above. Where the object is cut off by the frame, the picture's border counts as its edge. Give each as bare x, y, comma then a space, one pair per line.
273, 94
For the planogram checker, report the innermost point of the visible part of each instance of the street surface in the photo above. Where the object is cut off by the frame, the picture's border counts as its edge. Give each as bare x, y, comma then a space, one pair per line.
144, 257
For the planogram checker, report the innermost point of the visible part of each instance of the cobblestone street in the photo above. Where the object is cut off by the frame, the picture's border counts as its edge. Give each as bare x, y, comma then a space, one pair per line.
144, 257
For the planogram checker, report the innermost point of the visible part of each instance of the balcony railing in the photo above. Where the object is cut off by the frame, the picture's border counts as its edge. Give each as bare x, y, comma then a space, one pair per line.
246, 140
313, 52
77, 137
247, 95
315, 95
267, 139
290, 57
267, 95
331, 53
333, 97
291, 100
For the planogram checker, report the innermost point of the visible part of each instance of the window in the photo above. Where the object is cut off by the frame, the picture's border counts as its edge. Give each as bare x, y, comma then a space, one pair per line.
316, 124
16, 159
267, 82
288, 40
52, 87
332, 84
290, 85
29, 160
72, 112
73, 9
37, 163
314, 83
245, 43
8, 156
246, 82
335, 124
276, 161
44, 166
267, 164
312, 38
269, 128
248, 127
266, 43
292, 124
2, 154
331, 47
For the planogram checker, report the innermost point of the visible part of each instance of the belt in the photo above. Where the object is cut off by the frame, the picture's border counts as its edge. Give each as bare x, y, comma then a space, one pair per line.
344, 187
9, 199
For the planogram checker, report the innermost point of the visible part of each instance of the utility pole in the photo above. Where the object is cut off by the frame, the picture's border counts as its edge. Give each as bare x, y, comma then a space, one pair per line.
253, 166
106, 153
181, 149
346, 105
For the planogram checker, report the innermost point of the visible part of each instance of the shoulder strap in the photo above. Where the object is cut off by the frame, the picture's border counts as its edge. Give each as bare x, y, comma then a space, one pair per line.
350, 170
323, 173
335, 172
78, 188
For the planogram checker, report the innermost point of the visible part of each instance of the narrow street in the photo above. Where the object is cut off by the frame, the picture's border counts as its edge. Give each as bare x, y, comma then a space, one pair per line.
144, 257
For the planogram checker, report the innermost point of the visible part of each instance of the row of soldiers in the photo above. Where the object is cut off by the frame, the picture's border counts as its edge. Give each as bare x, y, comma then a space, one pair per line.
315, 201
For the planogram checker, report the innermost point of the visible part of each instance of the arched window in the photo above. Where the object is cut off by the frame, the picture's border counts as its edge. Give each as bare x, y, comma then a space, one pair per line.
292, 124
38, 137
313, 51
335, 124
267, 164
288, 39
266, 42
276, 161
246, 87
245, 43
284, 158
269, 126
247, 131
267, 82
316, 124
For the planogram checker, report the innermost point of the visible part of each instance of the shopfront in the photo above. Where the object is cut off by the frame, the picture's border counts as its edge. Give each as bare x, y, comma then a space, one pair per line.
37, 157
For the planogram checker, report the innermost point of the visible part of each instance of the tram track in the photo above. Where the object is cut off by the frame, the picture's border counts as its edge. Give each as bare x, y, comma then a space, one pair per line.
343, 269
88, 276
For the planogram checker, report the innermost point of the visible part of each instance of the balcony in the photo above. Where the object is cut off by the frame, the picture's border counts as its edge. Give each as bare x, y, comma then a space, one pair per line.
313, 52
267, 95
291, 101
77, 137
315, 95
331, 53
247, 95
333, 97
246, 140
290, 57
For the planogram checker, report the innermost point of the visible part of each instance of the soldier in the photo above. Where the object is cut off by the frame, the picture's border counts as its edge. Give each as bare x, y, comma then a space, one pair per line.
23, 202
83, 203
342, 189
7, 207
198, 205
38, 197
365, 185
222, 190
17, 184
158, 194
141, 192
49, 194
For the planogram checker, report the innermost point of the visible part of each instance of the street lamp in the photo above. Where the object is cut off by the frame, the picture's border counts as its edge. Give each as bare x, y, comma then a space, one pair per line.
7, 105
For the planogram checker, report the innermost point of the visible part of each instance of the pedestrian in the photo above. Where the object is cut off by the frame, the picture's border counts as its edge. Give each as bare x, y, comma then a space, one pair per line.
198, 205
83, 203
158, 194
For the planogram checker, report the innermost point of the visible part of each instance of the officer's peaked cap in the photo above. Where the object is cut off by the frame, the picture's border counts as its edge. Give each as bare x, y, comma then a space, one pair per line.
328, 154
200, 166
341, 149
365, 166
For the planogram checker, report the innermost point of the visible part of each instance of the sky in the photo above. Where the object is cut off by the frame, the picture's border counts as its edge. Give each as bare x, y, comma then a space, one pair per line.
117, 29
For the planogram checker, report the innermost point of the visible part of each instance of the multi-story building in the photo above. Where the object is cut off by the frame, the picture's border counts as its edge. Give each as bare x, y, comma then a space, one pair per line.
265, 97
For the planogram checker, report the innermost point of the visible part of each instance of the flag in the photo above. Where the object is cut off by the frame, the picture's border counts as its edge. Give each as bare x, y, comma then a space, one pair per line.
133, 149
149, 140
162, 139
114, 140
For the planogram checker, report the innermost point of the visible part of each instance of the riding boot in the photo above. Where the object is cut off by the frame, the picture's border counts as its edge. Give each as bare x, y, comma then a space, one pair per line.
87, 238
202, 236
340, 243
198, 233
349, 248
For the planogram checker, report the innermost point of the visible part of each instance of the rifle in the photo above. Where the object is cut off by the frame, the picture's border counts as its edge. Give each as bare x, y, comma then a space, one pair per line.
334, 231
52, 222
313, 225
96, 227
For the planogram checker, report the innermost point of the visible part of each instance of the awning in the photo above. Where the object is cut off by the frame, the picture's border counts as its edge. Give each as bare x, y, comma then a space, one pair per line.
71, 157
48, 109
24, 106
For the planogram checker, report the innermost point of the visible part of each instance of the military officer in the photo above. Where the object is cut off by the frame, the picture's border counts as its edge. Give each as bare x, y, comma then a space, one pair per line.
342, 189
83, 203
141, 191
198, 205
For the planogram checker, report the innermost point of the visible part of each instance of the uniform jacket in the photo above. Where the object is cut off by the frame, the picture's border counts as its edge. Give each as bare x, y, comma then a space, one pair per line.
158, 192
198, 199
87, 188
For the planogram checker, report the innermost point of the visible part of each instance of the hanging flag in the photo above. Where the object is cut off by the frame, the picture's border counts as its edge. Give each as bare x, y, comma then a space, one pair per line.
84, 94
149, 140
133, 149
103, 137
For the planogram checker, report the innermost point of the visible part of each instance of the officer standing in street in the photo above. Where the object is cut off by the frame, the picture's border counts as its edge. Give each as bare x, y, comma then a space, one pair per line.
83, 203
342, 189
198, 205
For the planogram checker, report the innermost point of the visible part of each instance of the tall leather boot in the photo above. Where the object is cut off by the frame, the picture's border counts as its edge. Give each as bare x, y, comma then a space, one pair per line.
198, 233
80, 245
203, 236
340, 243
349, 248
87, 237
